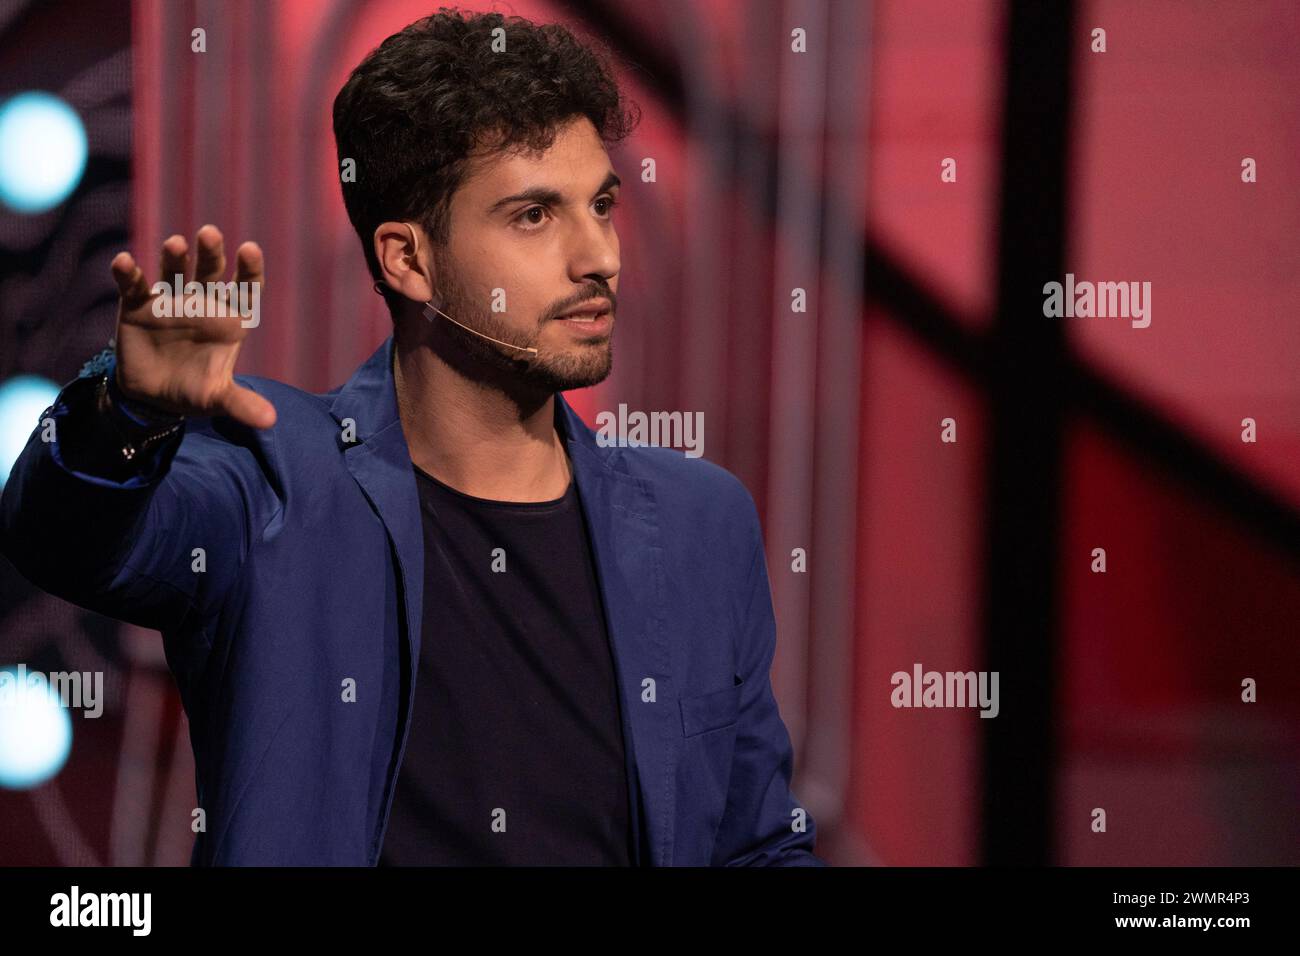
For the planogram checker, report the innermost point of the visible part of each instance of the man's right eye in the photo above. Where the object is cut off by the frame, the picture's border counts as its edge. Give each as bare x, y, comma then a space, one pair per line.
527, 214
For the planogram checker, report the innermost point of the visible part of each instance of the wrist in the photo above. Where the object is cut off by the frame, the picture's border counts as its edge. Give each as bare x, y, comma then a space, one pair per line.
137, 410
134, 435
131, 424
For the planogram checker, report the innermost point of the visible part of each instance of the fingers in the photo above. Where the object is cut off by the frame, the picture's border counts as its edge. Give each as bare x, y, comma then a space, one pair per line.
245, 405
211, 264
131, 284
248, 263
209, 267
172, 260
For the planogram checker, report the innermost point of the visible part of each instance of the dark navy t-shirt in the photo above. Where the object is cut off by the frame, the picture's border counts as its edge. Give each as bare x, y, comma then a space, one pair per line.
515, 754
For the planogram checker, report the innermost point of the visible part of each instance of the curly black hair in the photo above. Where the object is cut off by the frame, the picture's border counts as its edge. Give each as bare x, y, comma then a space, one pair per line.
416, 108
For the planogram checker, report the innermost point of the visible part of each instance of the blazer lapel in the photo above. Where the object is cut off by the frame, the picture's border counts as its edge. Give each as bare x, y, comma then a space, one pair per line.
623, 522
380, 461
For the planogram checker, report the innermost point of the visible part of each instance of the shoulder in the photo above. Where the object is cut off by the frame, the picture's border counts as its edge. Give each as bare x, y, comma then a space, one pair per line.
697, 500
295, 400
298, 413
686, 479
303, 422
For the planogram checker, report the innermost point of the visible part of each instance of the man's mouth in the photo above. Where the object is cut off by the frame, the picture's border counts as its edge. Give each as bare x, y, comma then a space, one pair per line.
589, 312
588, 323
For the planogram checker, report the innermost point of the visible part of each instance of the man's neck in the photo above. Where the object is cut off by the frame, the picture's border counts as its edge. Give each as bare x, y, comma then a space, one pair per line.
476, 438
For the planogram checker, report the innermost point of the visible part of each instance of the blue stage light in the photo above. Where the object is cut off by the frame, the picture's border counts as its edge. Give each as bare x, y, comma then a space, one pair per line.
35, 730
22, 399
42, 151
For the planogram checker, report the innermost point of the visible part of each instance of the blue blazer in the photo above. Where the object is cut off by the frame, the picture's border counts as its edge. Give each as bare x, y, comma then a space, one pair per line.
286, 564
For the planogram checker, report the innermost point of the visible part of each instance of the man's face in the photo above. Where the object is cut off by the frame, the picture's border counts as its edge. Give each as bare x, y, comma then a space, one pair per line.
531, 238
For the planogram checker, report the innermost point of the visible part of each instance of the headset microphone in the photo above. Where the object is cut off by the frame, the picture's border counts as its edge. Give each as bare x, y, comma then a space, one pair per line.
430, 309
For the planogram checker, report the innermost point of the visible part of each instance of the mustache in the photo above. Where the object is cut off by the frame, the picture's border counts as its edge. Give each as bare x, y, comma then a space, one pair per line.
593, 292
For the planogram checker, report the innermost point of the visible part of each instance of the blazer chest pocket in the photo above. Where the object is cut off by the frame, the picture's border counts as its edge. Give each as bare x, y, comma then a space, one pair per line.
712, 711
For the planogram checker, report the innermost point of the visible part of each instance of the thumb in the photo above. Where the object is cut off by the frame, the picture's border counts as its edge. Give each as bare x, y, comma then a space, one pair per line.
245, 405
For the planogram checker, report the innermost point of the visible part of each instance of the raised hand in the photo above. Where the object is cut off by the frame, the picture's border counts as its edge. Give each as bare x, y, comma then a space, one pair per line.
185, 364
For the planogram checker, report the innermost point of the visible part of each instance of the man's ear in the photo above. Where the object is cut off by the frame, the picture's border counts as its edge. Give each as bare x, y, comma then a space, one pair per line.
401, 249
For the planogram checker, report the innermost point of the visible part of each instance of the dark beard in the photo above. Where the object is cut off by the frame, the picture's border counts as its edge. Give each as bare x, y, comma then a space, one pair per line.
481, 360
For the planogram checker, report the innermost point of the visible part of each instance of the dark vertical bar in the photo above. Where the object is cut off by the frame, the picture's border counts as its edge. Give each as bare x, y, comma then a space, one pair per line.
1026, 395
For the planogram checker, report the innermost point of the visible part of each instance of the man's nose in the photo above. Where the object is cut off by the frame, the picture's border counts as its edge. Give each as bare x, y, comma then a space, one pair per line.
594, 254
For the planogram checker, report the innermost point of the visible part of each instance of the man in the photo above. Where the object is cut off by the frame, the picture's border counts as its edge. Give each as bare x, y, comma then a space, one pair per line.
425, 618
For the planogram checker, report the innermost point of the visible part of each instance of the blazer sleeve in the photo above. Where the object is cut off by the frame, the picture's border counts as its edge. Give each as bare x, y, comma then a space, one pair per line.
149, 544
763, 824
